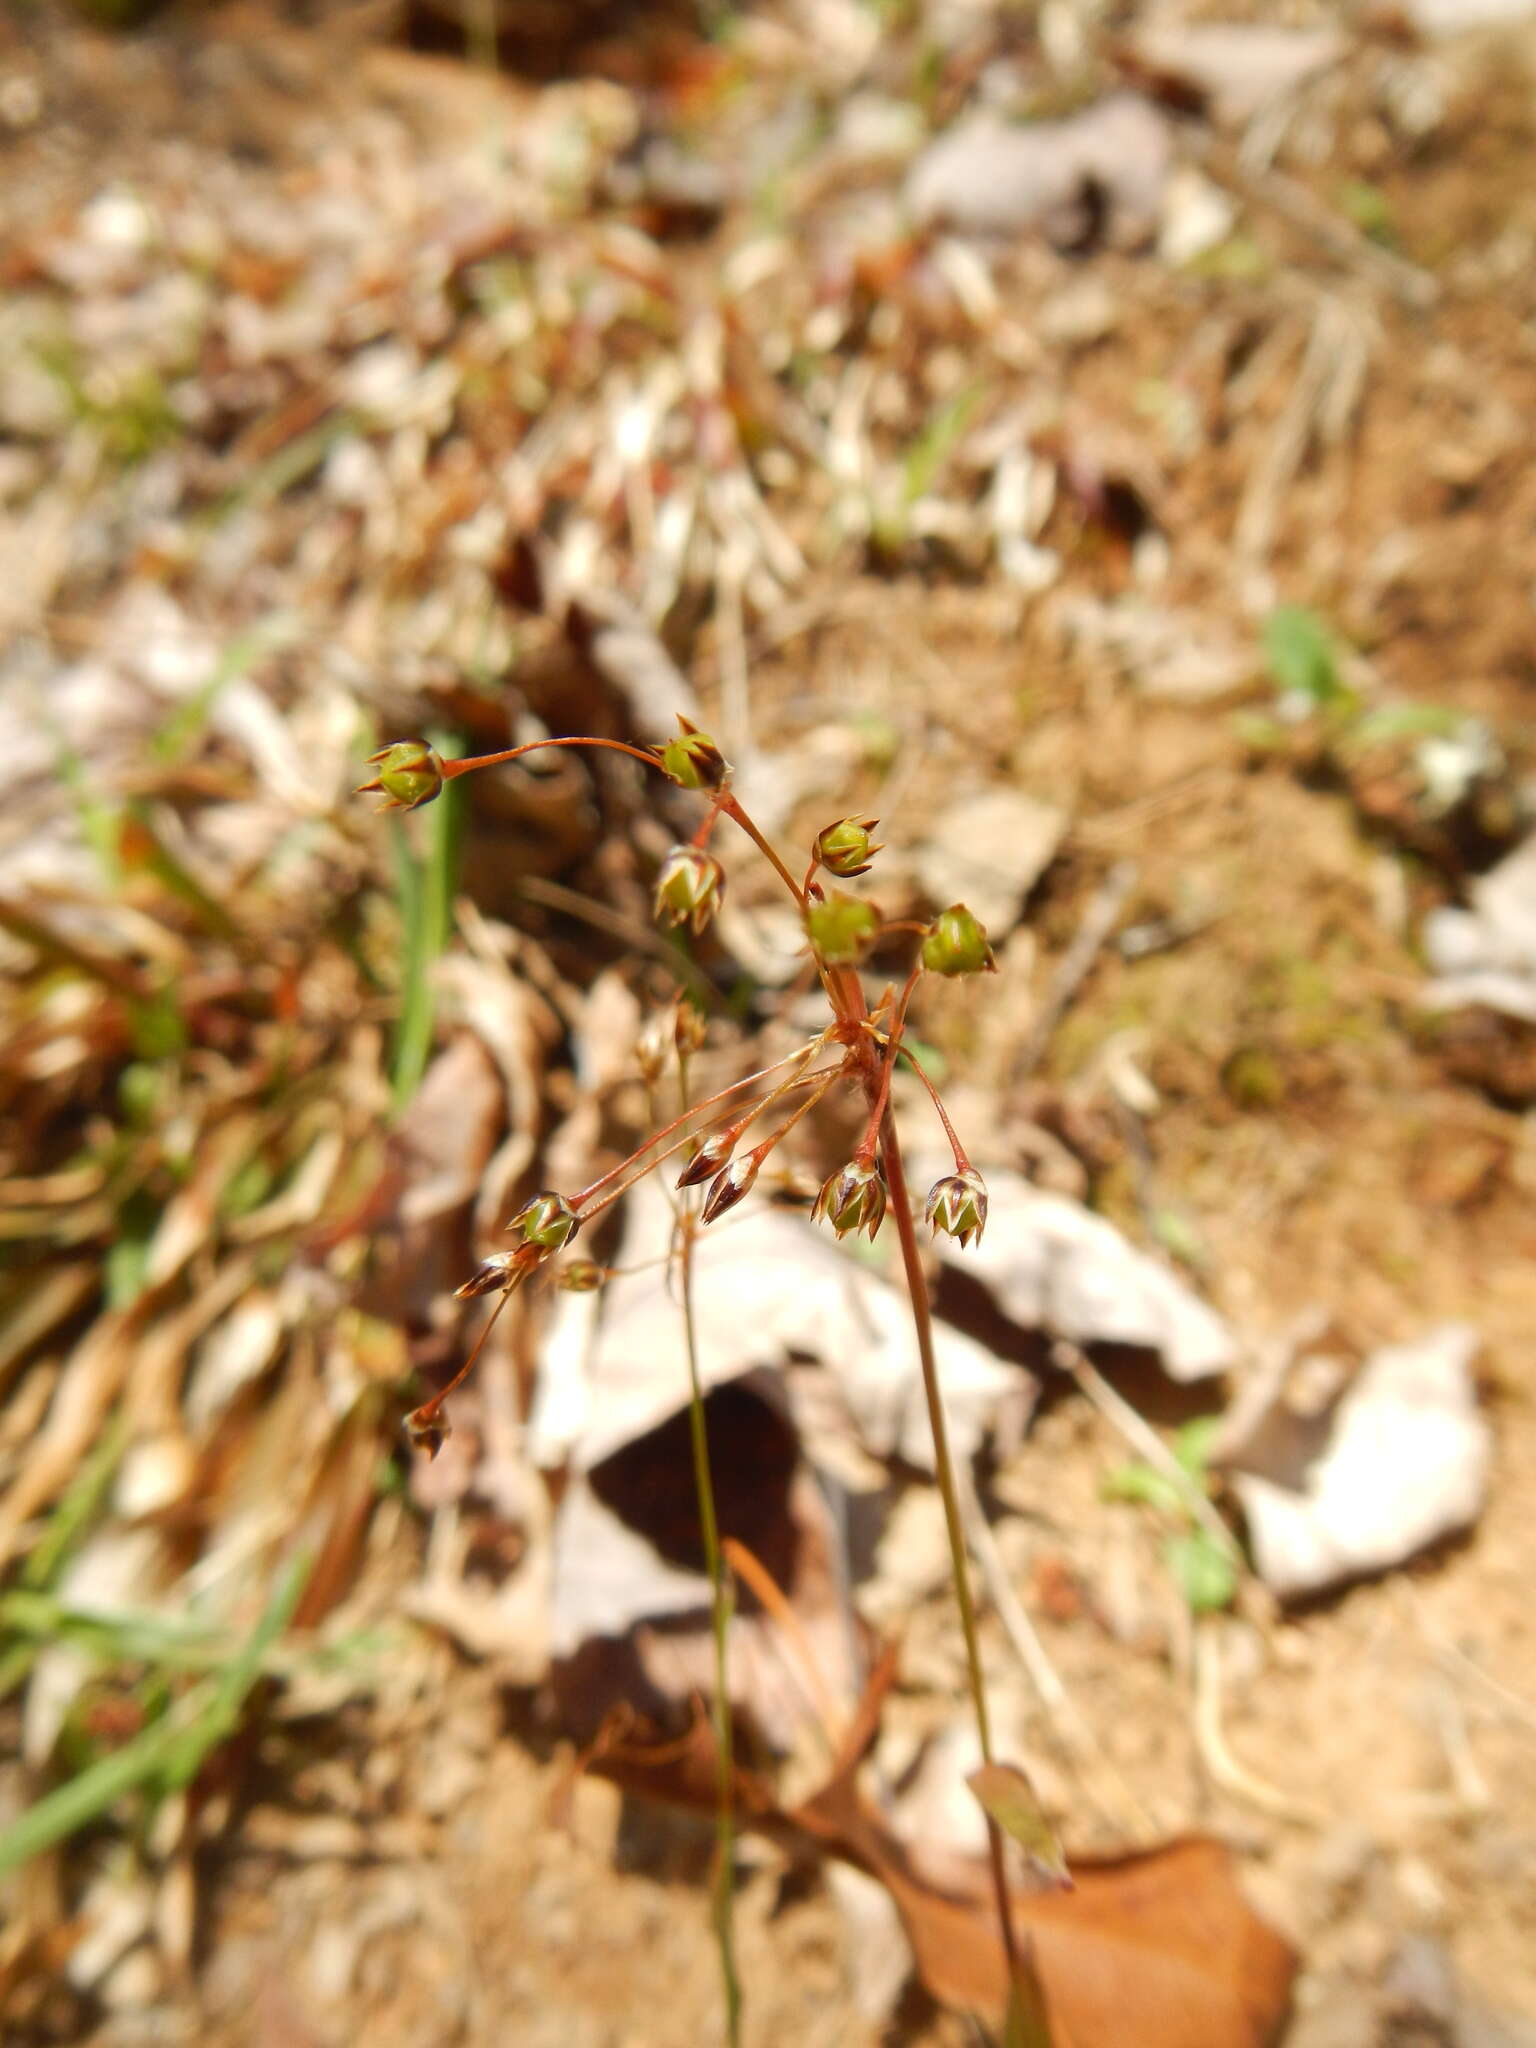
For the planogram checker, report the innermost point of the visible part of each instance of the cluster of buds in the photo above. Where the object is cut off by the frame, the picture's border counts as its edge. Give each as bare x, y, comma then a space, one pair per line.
841, 929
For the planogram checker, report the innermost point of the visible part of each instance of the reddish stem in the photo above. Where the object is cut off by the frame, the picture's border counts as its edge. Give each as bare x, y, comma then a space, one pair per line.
738, 816
650, 1165
708, 1102
881, 1094
962, 1164
469, 761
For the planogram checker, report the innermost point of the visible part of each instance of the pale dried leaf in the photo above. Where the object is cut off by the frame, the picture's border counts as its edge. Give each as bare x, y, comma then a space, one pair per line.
987, 850
1052, 1266
768, 1288
1238, 67
1405, 1463
1486, 955
986, 177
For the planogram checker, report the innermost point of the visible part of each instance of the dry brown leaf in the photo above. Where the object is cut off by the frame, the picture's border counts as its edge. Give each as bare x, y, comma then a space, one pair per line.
1162, 1939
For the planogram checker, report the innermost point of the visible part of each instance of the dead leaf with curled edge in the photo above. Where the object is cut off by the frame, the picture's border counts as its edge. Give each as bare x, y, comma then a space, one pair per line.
1164, 1935
1052, 1266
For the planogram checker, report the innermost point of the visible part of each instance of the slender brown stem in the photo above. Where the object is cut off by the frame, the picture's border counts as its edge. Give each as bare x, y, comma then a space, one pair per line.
721, 1606
428, 1412
710, 820
738, 816
882, 1091
922, 1322
644, 1167
469, 762
801, 1052
830, 1075
962, 1163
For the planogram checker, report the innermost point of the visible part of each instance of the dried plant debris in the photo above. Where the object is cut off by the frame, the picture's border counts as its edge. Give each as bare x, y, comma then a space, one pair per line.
1485, 956
346, 390
1053, 1267
1166, 1933
1397, 1462
1097, 175
1234, 70
988, 850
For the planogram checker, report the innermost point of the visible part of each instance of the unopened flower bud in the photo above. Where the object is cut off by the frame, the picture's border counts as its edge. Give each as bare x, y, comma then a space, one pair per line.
711, 1155
653, 1047
410, 775
690, 1027
957, 1205
581, 1276
428, 1428
728, 1187
501, 1271
547, 1222
957, 944
689, 887
852, 1199
841, 929
677, 1032
847, 848
692, 760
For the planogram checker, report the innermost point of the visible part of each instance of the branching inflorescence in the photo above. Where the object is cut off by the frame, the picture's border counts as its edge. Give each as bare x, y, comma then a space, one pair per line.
858, 1050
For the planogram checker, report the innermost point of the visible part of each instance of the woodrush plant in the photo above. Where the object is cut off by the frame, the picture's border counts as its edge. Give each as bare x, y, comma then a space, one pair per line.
716, 1140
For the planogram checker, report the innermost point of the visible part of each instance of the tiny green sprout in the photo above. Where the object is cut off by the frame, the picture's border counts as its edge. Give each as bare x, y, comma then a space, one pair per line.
841, 928
729, 1185
692, 760
689, 887
847, 848
957, 1205
957, 944
547, 1222
410, 775
852, 1199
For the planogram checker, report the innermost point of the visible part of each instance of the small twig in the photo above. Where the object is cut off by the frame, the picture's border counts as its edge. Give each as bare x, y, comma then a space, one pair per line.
1099, 921
1222, 1767
771, 1596
1340, 237
1122, 1807
1142, 1438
